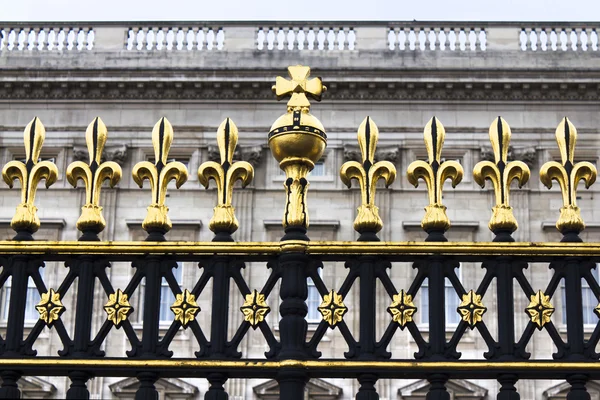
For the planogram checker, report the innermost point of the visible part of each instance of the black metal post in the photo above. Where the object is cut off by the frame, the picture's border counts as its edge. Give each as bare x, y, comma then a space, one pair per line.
293, 325
19, 267
219, 268
84, 268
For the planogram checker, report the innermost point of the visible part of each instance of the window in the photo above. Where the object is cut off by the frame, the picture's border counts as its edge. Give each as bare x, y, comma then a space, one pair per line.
589, 301
33, 298
313, 301
318, 170
452, 302
167, 298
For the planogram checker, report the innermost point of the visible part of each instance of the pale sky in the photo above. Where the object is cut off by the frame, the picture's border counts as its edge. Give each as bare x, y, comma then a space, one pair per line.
282, 10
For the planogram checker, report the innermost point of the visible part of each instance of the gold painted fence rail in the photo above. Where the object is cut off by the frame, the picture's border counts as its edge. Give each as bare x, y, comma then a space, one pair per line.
330, 249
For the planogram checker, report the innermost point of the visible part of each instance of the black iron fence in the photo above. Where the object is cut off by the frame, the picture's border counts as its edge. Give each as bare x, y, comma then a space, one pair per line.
297, 140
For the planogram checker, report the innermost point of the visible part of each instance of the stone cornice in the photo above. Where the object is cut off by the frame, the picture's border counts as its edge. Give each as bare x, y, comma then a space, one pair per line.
556, 91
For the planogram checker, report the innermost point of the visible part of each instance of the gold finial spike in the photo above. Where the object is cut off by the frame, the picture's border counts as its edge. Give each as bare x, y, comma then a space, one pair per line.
299, 87
225, 175
91, 222
501, 173
157, 221
367, 174
29, 173
568, 174
435, 173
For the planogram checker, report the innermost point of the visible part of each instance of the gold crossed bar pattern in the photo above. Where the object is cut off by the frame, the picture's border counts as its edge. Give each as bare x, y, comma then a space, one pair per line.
26, 221
159, 174
435, 172
568, 174
297, 140
225, 175
367, 174
93, 175
501, 173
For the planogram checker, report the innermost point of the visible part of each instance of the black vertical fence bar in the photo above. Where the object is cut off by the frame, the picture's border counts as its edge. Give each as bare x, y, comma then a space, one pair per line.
367, 339
151, 267
84, 268
293, 325
220, 270
19, 268
502, 268
573, 271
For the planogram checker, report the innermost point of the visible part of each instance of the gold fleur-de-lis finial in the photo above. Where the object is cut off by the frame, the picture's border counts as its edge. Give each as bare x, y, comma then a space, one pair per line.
568, 174
93, 175
29, 173
501, 173
298, 87
367, 174
225, 175
435, 172
159, 174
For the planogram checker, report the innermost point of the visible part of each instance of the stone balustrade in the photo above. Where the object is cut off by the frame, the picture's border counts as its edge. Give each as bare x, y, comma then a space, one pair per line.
298, 36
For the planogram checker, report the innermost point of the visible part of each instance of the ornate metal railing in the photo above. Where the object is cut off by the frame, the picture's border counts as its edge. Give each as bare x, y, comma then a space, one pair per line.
297, 140
16, 37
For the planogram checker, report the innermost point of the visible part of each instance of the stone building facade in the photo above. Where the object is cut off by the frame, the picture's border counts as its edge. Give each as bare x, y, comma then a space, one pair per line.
400, 74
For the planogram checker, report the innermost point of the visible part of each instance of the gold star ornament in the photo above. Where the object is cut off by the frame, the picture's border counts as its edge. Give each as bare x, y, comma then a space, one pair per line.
540, 309
118, 308
332, 308
50, 307
255, 308
185, 308
402, 308
471, 308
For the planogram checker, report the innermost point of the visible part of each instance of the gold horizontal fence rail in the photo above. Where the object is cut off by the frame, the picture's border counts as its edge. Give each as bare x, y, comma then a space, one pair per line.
331, 249
333, 367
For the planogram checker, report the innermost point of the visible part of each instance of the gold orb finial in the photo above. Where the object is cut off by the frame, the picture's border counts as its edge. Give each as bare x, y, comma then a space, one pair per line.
297, 140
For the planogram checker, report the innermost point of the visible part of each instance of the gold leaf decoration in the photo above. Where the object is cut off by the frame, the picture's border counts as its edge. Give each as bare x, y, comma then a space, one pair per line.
471, 308
225, 175
50, 307
435, 172
93, 175
159, 175
255, 308
30, 173
118, 308
332, 308
402, 308
501, 173
568, 174
540, 309
185, 308
368, 174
